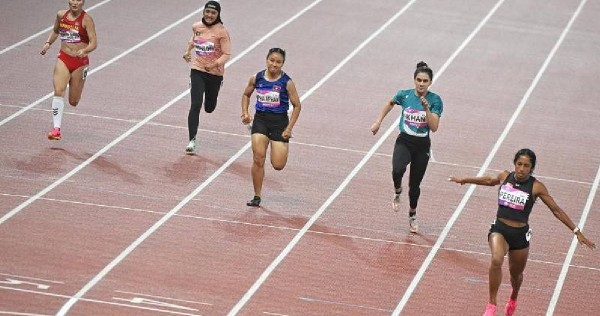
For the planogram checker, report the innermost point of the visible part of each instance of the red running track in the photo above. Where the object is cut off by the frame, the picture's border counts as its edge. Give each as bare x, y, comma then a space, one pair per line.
115, 220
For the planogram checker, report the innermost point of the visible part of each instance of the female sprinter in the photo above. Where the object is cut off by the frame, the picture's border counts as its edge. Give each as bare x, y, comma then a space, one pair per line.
275, 90
77, 34
510, 231
421, 112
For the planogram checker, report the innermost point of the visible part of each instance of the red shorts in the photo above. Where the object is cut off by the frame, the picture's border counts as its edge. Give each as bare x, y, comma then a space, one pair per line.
73, 63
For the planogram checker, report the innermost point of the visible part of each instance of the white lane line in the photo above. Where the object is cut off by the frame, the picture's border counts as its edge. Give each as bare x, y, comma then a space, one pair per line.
355, 306
67, 306
21, 314
84, 164
565, 268
267, 272
30, 278
106, 64
97, 301
419, 275
44, 31
567, 263
164, 297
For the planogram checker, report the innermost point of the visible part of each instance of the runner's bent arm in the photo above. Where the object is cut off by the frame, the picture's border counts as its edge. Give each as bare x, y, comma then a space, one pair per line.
246, 100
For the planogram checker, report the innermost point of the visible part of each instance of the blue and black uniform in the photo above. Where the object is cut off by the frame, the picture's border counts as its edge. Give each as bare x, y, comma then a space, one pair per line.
515, 201
272, 104
413, 143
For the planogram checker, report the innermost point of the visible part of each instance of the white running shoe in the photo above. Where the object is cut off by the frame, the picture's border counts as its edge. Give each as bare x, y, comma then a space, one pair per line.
396, 202
412, 221
191, 147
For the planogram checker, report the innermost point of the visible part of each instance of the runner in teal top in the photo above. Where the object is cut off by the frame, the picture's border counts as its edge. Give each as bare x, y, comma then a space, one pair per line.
421, 112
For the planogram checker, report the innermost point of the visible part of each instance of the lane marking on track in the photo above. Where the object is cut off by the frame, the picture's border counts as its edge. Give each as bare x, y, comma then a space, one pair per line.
419, 275
106, 64
163, 297
574, 243
326, 302
44, 31
30, 278
172, 312
360, 151
21, 314
586, 210
67, 306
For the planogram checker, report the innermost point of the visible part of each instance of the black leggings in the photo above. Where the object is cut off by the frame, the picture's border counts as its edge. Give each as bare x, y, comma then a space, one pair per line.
202, 84
413, 150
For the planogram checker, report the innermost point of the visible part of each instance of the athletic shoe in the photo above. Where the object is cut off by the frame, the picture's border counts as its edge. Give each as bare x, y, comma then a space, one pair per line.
490, 310
254, 202
412, 221
510, 307
54, 134
191, 147
396, 202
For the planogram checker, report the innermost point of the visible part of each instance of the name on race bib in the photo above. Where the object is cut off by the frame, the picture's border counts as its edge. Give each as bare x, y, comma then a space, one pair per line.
204, 48
513, 198
415, 118
70, 35
268, 98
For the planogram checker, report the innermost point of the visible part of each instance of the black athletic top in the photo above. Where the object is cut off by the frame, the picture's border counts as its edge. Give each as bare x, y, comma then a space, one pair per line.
515, 199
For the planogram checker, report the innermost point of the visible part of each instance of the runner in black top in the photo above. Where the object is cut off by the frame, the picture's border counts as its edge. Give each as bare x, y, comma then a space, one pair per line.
510, 232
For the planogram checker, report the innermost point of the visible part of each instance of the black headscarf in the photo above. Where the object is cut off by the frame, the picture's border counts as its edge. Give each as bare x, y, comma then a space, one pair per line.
215, 6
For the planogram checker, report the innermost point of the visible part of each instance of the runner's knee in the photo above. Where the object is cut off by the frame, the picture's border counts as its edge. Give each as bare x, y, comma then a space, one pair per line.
278, 166
259, 159
496, 262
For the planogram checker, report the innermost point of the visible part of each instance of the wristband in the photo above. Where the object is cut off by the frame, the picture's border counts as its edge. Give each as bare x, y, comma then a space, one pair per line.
576, 230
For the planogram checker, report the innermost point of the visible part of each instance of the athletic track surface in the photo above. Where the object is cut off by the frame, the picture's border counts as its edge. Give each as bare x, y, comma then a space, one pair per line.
115, 219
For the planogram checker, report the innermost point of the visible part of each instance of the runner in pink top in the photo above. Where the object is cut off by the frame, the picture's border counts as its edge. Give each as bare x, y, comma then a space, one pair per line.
77, 34
211, 48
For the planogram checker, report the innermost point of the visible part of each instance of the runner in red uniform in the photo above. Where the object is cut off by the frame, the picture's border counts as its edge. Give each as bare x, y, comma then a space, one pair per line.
77, 33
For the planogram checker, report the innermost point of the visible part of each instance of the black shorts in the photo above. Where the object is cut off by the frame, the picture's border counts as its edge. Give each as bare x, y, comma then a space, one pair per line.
516, 237
271, 125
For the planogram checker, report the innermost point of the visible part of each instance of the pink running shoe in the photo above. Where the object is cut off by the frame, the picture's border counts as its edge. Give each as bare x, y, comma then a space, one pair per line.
510, 307
54, 134
490, 310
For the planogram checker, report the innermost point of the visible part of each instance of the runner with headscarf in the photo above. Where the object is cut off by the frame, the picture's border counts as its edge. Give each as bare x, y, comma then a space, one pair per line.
212, 48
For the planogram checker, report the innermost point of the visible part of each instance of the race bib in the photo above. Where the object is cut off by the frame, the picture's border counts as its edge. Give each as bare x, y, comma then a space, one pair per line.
69, 36
204, 48
268, 98
512, 198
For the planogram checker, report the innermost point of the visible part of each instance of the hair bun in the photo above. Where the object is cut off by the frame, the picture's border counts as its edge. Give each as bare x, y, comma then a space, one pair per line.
422, 64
